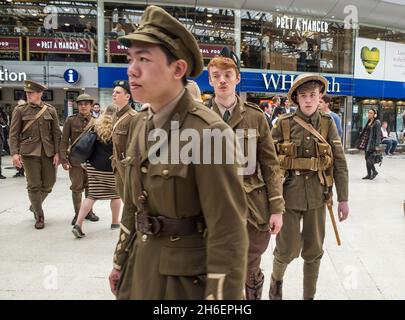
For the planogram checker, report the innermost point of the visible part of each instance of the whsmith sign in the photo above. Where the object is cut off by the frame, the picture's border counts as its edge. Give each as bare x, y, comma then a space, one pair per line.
281, 82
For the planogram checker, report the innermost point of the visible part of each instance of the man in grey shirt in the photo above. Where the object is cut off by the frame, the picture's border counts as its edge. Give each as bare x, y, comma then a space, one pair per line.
324, 107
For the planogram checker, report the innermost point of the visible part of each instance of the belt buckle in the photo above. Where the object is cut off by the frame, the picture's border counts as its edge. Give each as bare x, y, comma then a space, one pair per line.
149, 225
313, 164
154, 225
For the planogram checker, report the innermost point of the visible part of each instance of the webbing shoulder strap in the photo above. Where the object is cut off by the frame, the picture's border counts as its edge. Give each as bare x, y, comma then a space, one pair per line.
310, 128
285, 127
37, 116
126, 114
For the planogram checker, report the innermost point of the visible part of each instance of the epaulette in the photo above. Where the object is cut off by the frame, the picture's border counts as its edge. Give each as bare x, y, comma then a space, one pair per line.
286, 116
253, 106
205, 114
323, 114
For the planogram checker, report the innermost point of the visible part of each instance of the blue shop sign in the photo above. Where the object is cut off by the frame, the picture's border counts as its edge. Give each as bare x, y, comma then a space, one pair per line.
71, 76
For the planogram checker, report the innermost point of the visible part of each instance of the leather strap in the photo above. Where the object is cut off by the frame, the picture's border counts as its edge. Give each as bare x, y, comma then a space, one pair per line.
160, 225
86, 128
126, 114
310, 128
39, 114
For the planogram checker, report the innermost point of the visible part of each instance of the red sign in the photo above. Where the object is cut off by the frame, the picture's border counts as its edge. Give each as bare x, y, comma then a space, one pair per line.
116, 47
63, 45
211, 50
10, 44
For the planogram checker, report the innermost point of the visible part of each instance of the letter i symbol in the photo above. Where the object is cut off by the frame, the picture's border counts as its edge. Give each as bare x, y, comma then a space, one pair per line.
71, 76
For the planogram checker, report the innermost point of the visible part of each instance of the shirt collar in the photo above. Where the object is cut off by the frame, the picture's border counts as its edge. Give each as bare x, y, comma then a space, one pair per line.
222, 108
161, 117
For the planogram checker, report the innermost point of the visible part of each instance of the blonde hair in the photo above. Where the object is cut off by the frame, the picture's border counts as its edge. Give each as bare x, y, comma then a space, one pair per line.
104, 124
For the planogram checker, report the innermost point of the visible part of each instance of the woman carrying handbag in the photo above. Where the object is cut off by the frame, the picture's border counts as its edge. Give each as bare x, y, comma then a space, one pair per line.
102, 184
370, 139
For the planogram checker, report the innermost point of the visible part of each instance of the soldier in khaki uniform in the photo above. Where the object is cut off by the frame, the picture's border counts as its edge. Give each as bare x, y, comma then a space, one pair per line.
121, 121
311, 154
34, 141
262, 184
183, 228
73, 128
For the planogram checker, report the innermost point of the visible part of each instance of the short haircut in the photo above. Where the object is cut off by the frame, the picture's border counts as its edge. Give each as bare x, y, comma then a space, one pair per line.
327, 99
223, 63
311, 85
276, 99
170, 59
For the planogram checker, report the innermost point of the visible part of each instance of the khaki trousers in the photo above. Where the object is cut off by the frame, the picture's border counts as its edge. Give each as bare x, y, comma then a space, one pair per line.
291, 241
41, 176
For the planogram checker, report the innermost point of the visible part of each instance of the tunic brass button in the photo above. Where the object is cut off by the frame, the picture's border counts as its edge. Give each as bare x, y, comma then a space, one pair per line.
144, 170
144, 118
307, 151
144, 238
165, 172
306, 177
308, 138
195, 281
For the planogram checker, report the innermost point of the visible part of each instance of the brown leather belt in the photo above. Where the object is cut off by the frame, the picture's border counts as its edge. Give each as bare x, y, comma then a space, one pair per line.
160, 225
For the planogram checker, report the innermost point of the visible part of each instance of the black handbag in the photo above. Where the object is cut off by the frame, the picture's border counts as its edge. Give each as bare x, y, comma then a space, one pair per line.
84, 148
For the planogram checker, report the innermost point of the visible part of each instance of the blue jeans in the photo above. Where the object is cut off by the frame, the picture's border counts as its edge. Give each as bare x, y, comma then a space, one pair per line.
391, 145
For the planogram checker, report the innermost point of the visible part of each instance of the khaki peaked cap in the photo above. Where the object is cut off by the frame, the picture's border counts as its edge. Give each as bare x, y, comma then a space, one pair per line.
158, 27
32, 86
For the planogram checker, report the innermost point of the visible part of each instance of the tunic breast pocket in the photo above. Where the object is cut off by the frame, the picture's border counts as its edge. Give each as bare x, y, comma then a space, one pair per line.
47, 124
27, 134
167, 186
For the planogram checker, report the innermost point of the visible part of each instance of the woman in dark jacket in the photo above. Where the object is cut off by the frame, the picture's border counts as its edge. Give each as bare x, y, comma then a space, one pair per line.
370, 139
100, 174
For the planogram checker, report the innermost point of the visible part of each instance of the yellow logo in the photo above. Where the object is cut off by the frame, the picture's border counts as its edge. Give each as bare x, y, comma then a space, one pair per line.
370, 58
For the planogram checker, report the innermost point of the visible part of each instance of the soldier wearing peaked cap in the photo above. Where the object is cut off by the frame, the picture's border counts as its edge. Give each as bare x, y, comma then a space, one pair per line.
73, 128
183, 230
311, 155
34, 142
122, 118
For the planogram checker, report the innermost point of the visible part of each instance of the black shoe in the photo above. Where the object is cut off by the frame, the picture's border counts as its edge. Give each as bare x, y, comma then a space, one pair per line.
92, 217
18, 174
77, 231
367, 177
74, 220
373, 175
2, 177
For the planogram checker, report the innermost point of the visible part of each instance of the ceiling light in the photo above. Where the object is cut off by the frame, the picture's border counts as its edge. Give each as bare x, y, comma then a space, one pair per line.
378, 39
209, 15
333, 17
82, 16
209, 21
277, 10
67, 24
34, 14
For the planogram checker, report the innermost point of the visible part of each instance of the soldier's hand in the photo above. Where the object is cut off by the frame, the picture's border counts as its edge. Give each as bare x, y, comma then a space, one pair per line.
276, 222
17, 161
66, 166
343, 210
56, 160
114, 278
